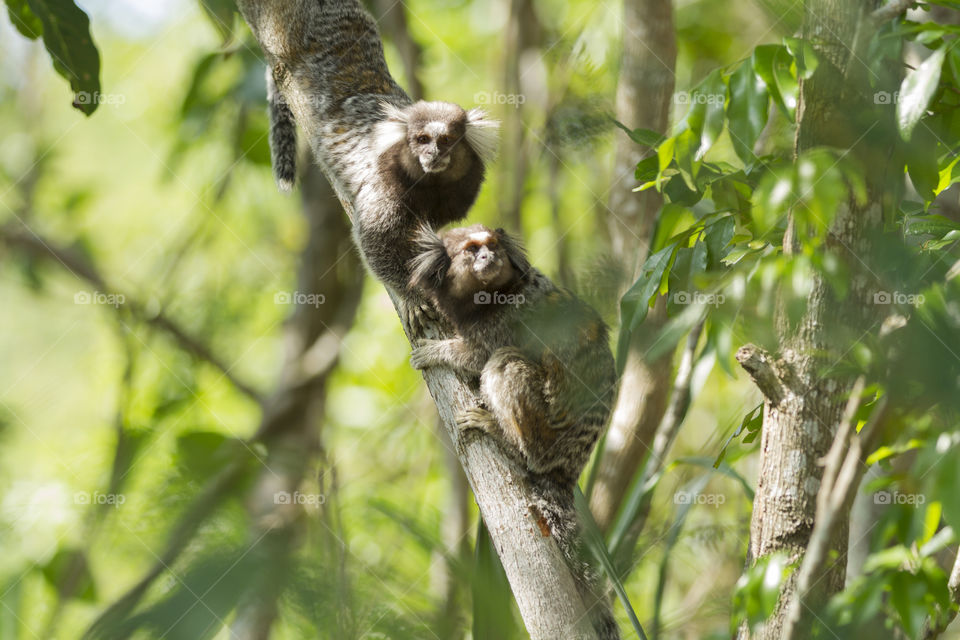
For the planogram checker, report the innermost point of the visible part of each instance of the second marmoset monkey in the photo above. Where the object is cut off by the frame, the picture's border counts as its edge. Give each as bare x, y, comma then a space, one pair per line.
430, 162
546, 372
431, 159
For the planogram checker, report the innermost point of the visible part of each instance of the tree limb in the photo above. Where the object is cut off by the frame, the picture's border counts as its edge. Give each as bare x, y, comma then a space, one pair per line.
765, 372
82, 267
890, 10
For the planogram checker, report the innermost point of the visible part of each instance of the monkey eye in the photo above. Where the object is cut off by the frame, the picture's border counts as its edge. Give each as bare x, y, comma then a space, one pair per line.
444, 139
472, 248
423, 139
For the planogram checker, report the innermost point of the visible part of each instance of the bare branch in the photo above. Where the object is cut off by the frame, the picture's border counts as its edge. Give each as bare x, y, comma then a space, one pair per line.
890, 10
765, 372
82, 267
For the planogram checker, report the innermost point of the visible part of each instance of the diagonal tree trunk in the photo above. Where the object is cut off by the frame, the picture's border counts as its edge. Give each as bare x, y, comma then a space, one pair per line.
644, 92
297, 36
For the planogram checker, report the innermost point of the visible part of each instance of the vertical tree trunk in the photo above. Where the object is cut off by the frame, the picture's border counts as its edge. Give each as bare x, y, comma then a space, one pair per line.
804, 403
644, 91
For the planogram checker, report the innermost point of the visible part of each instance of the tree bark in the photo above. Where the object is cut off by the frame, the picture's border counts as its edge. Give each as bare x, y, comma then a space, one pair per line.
804, 405
545, 591
644, 91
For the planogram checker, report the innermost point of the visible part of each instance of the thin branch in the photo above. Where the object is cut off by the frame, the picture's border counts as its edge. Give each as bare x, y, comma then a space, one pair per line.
83, 268
890, 10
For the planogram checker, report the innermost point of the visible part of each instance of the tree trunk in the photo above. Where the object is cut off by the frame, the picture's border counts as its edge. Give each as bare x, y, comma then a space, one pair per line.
290, 32
644, 92
803, 404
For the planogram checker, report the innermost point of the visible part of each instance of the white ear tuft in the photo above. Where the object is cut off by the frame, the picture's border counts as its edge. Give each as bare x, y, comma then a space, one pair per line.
482, 134
391, 130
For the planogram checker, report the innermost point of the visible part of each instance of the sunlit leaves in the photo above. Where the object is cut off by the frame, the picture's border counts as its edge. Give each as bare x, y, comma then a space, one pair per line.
917, 91
748, 110
812, 189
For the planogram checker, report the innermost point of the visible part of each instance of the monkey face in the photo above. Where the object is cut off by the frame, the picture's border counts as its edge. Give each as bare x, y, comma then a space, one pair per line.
478, 262
432, 143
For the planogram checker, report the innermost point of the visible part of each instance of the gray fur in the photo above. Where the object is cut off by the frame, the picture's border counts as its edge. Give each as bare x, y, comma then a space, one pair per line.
283, 136
545, 370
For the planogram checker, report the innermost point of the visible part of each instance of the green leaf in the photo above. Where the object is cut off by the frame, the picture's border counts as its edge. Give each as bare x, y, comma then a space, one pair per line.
714, 92
758, 589
645, 137
803, 55
763, 66
917, 90
593, 540
718, 236
492, 598
747, 111
66, 35
636, 301
23, 19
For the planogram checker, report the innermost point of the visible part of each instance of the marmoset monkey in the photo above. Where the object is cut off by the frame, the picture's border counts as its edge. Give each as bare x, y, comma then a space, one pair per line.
547, 375
430, 165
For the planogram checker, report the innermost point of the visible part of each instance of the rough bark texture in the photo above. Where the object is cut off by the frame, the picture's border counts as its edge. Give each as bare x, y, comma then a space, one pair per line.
288, 31
644, 91
804, 403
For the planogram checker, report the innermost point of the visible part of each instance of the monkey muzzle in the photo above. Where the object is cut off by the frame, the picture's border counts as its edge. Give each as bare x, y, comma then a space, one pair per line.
487, 265
434, 162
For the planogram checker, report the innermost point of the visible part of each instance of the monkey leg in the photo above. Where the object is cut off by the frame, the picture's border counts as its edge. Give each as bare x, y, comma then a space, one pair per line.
513, 388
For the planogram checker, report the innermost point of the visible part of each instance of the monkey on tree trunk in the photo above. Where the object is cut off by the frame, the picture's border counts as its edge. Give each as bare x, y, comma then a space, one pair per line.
545, 370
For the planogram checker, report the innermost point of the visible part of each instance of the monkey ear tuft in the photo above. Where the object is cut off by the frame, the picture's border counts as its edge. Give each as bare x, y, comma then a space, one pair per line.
482, 134
515, 252
431, 263
392, 129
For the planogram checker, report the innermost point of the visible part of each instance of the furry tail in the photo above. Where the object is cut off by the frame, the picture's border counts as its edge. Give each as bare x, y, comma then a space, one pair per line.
555, 503
283, 137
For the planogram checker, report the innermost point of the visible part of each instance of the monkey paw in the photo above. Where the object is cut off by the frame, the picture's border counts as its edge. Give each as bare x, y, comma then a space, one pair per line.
418, 314
475, 418
420, 357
